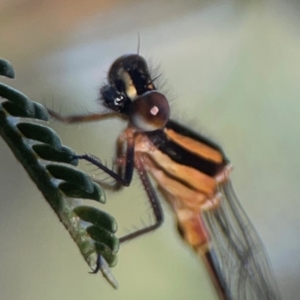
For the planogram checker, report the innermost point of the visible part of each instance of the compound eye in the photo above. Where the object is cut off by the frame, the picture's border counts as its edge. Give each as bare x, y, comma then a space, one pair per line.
150, 111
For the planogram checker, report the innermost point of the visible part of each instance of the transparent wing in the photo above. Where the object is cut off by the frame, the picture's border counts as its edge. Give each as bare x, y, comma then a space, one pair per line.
239, 253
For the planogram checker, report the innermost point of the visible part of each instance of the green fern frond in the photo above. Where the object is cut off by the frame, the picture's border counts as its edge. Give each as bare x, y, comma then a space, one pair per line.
23, 125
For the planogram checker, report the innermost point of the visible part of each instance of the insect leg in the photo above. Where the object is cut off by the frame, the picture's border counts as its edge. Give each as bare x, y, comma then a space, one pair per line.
123, 178
80, 118
154, 201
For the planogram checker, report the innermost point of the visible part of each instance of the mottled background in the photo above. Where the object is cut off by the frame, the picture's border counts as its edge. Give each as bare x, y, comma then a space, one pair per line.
232, 71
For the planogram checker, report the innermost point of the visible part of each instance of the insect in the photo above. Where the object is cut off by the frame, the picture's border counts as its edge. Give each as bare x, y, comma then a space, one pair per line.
191, 171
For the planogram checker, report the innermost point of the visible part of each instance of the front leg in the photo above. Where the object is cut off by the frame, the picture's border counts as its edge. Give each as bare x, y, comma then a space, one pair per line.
125, 159
81, 118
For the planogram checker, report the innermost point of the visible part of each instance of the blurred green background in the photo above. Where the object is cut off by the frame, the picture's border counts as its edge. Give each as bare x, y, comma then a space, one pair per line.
232, 71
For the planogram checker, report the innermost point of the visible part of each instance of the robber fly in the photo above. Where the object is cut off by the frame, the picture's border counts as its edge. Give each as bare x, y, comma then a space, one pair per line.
192, 172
